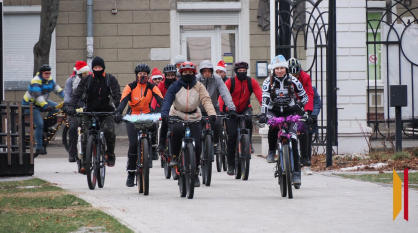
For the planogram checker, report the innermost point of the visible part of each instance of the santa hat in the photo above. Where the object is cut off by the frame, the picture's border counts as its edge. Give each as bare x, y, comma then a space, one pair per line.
278, 61
81, 67
221, 66
156, 73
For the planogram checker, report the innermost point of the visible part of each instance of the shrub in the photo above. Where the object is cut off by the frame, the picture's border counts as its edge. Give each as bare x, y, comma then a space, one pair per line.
401, 155
415, 152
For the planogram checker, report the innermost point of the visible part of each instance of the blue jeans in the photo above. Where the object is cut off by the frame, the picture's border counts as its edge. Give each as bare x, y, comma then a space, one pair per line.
39, 122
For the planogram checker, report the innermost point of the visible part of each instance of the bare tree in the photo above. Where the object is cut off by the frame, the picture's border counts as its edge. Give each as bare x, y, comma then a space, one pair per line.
49, 15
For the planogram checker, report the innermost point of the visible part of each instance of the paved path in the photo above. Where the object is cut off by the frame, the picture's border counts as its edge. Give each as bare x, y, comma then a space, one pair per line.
324, 203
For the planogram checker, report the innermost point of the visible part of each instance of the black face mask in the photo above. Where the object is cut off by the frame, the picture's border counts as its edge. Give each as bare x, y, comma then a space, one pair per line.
187, 78
98, 73
169, 81
241, 75
143, 79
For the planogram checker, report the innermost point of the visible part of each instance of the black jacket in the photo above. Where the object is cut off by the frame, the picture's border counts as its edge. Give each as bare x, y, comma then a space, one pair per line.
97, 97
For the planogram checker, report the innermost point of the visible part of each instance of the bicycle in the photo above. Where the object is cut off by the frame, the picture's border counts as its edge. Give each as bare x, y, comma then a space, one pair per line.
187, 164
206, 156
284, 164
243, 149
221, 162
95, 158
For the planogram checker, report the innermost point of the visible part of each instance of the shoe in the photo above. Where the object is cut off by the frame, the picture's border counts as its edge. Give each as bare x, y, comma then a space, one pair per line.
130, 182
72, 159
305, 161
231, 169
41, 151
160, 148
83, 170
296, 178
252, 149
196, 180
110, 160
154, 154
173, 161
270, 156
307, 171
175, 176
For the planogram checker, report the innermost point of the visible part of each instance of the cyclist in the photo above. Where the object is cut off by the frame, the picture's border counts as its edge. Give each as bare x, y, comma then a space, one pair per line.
296, 70
139, 94
156, 76
81, 70
38, 92
178, 60
215, 87
313, 127
241, 87
170, 73
99, 92
182, 101
221, 70
279, 101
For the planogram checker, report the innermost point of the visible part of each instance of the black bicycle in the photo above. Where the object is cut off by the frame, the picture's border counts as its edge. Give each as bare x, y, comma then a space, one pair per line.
221, 162
187, 164
206, 157
243, 149
95, 149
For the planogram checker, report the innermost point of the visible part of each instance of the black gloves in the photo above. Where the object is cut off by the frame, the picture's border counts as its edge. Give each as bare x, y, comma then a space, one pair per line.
165, 119
71, 111
118, 118
49, 108
314, 119
232, 114
65, 107
309, 121
262, 120
212, 119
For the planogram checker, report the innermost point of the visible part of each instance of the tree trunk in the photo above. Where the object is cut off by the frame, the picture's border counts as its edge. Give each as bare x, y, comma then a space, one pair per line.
49, 15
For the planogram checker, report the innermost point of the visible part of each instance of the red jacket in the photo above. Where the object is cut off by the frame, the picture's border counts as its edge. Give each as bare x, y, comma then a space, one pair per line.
241, 95
163, 90
305, 79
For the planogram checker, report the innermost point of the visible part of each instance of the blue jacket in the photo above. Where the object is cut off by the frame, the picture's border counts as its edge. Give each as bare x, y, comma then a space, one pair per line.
39, 89
316, 110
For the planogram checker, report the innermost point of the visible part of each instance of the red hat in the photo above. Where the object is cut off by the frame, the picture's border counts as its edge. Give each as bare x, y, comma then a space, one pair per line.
156, 73
221, 66
81, 67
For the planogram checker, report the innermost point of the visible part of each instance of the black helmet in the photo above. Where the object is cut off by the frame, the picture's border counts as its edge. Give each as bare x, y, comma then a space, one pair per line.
170, 68
240, 64
44, 67
294, 66
142, 67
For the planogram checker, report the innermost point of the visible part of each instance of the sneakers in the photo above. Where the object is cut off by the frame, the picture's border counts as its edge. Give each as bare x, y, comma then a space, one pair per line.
83, 170
154, 154
160, 148
231, 169
110, 160
305, 161
252, 149
71, 159
41, 151
173, 161
130, 181
296, 178
196, 180
270, 156
307, 171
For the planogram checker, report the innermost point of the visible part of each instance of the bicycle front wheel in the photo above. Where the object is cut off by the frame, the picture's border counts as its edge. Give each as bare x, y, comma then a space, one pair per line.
280, 176
143, 168
190, 170
288, 170
91, 155
245, 156
207, 162
101, 165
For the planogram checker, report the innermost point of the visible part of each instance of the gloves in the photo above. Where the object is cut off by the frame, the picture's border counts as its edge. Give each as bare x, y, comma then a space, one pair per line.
309, 121
49, 108
314, 119
118, 118
232, 114
65, 107
71, 111
212, 119
262, 120
165, 119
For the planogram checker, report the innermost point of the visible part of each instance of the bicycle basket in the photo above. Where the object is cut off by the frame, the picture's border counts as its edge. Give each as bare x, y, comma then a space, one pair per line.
143, 125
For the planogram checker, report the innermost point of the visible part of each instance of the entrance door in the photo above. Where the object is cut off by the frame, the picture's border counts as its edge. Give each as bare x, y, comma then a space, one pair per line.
197, 46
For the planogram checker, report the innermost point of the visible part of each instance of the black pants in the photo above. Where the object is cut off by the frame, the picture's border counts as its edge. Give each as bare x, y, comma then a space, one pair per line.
133, 145
163, 133
72, 135
273, 137
310, 136
231, 128
177, 133
303, 144
108, 127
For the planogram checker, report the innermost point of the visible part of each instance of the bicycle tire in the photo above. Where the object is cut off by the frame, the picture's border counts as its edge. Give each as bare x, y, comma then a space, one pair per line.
143, 156
288, 170
190, 165
207, 163
101, 170
246, 156
65, 137
219, 159
281, 178
167, 168
238, 171
91, 152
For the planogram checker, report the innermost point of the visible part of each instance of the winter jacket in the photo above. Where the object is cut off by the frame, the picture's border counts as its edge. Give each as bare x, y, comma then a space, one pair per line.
316, 109
38, 91
305, 79
276, 95
183, 99
215, 87
70, 86
98, 96
139, 97
163, 89
241, 95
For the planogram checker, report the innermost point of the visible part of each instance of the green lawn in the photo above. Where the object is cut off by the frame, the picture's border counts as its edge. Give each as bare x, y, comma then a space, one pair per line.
386, 178
38, 206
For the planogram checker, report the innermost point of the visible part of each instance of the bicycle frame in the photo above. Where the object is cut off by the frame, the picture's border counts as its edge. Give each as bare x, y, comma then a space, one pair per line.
144, 134
184, 141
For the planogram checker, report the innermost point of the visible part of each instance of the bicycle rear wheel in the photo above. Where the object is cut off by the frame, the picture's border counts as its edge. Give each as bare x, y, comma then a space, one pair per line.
65, 137
91, 154
281, 178
101, 165
167, 168
288, 170
219, 158
238, 162
189, 163
143, 159
246, 156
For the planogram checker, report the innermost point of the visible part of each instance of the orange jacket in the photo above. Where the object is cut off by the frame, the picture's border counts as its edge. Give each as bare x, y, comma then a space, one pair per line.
139, 97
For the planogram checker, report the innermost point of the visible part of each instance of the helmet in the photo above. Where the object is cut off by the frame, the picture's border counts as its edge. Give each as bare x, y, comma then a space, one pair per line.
187, 66
44, 67
170, 68
239, 65
142, 67
294, 66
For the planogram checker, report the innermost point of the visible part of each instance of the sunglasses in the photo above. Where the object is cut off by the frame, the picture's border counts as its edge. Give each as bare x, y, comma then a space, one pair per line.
47, 72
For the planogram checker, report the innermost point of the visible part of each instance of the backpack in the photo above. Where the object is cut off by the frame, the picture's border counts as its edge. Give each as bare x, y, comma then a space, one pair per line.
250, 85
85, 95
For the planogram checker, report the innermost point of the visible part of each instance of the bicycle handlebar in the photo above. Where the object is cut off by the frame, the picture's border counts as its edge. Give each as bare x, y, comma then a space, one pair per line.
94, 114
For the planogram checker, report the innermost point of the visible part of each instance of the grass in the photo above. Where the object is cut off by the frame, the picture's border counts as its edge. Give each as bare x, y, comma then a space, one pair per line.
38, 206
401, 155
386, 178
